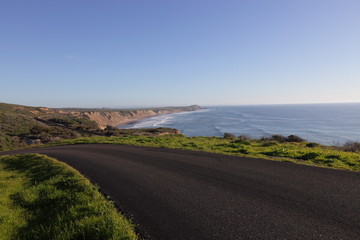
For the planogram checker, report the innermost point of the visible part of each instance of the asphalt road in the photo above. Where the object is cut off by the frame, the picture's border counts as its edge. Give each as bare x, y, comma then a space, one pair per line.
177, 194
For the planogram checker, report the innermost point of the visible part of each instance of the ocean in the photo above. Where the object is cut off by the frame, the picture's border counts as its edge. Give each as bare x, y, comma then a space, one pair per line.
330, 124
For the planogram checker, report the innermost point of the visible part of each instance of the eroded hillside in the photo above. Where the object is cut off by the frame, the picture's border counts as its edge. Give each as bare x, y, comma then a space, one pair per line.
21, 126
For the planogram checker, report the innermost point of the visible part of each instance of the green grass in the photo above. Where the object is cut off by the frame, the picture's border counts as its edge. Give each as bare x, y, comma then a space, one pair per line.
297, 152
42, 198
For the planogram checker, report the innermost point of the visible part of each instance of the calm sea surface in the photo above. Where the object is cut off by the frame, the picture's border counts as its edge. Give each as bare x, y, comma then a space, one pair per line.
324, 123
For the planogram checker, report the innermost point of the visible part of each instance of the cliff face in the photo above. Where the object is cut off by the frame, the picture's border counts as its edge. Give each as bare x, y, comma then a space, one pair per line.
120, 117
103, 117
116, 118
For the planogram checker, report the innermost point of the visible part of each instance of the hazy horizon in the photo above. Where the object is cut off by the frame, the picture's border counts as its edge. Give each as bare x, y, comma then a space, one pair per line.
164, 53
183, 105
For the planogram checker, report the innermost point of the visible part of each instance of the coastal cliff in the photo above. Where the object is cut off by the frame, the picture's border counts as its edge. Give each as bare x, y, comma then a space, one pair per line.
101, 116
21, 126
113, 117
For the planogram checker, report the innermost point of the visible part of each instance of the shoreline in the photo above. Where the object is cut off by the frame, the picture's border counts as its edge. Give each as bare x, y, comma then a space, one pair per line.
145, 117
137, 120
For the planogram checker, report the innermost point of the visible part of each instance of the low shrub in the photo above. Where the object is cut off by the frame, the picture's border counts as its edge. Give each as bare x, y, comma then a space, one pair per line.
191, 145
265, 139
312, 145
232, 145
333, 156
110, 128
351, 146
282, 139
229, 136
245, 137
279, 138
277, 152
243, 150
269, 144
237, 149
242, 141
294, 138
309, 156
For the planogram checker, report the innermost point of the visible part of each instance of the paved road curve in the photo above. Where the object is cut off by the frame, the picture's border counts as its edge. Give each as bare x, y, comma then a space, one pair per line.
176, 194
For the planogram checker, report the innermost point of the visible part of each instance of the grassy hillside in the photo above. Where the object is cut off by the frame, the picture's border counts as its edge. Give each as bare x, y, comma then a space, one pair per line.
18, 109
22, 126
42, 198
20, 129
278, 148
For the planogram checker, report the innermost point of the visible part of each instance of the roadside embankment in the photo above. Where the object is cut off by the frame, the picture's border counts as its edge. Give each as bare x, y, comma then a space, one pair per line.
296, 152
181, 194
42, 198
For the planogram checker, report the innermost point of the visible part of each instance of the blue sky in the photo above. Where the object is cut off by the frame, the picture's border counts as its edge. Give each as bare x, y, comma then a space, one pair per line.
128, 53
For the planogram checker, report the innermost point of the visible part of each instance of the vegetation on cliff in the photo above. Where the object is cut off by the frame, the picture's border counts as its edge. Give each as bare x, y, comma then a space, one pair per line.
22, 126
